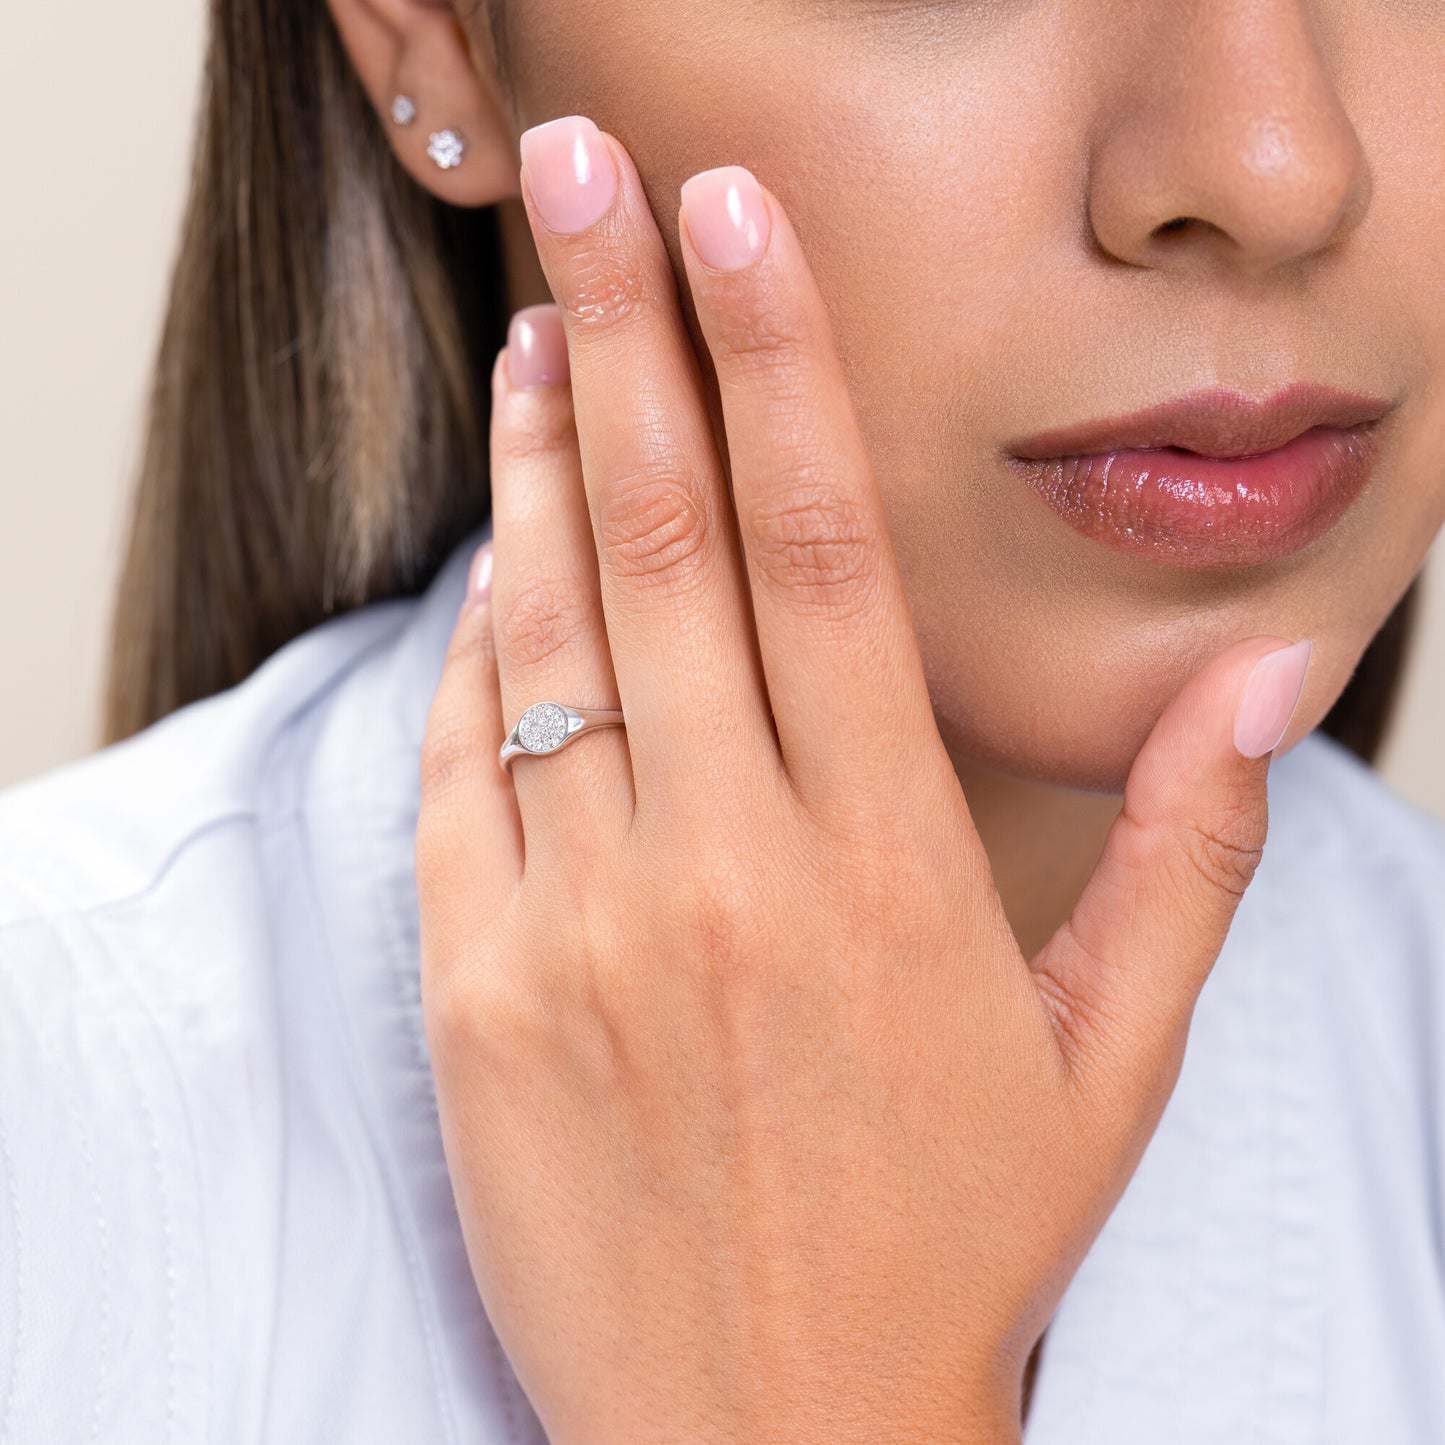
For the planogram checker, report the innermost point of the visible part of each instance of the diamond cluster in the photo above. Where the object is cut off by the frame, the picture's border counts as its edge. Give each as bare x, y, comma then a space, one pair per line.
542, 727
446, 148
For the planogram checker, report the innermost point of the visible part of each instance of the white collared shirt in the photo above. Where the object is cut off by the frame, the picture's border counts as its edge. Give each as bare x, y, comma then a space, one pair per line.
224, 1208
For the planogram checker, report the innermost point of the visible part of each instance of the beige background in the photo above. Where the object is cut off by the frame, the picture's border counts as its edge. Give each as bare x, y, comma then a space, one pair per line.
95, 146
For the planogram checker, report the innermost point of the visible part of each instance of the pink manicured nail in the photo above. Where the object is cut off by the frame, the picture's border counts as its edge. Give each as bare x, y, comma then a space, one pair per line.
571, 172
726, 217
1270, 696
479, 576
537, 347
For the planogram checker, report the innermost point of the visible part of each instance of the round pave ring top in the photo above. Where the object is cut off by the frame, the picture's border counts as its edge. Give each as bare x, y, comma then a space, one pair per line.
547, 727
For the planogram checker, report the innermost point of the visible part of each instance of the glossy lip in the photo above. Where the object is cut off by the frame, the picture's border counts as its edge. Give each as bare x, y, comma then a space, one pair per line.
1212, 479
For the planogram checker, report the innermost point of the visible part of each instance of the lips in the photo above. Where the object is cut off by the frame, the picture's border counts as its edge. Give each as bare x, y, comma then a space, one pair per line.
1213, 479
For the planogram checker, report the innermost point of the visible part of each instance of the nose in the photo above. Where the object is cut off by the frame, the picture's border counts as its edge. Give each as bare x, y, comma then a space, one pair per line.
1225, 140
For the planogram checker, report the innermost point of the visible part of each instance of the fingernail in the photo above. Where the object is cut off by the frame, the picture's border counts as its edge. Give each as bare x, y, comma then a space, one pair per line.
1271, 694
479, 576
537, 347
726, 217
573, 177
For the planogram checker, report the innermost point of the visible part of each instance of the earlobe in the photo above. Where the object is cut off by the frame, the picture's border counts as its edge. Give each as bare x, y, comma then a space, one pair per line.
436, 94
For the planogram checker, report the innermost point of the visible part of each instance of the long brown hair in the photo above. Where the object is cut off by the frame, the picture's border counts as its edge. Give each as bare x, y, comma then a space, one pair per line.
318, 410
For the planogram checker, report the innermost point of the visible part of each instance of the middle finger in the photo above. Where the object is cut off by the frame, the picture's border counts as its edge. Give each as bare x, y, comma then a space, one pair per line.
674, 590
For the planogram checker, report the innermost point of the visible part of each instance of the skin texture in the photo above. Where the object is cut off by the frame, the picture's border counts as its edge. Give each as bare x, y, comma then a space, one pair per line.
761, 1126
1016, 216
978, 188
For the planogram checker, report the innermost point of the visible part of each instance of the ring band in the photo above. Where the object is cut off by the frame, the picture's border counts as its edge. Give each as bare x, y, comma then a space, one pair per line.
547, 727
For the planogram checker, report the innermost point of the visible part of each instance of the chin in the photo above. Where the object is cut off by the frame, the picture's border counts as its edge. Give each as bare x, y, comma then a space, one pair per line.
1085, 743
1078, 758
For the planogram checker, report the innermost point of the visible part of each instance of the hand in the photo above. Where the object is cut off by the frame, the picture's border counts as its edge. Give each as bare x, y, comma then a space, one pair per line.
760, 1125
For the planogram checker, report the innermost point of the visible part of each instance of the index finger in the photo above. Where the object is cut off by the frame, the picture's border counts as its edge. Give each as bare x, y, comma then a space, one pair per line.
844, 671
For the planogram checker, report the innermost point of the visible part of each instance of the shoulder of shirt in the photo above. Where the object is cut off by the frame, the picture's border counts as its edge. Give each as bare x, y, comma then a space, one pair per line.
1331, 813
104, 829
158, 903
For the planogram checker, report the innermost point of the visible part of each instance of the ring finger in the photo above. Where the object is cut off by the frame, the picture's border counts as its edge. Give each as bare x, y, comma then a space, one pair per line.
547, 609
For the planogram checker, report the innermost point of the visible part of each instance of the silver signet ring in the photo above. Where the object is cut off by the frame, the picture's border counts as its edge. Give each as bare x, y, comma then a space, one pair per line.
547, 727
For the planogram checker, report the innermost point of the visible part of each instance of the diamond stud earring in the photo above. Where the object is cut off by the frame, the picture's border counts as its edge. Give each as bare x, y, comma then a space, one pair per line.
403, 109
445, 148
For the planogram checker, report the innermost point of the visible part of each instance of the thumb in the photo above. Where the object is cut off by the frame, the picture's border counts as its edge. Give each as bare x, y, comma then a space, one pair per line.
1122, 974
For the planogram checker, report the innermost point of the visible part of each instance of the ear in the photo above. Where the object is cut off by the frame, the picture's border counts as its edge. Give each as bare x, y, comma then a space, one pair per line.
421, 49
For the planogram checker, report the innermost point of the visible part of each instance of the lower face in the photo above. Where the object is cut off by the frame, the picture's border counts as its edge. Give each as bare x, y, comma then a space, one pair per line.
1030, 215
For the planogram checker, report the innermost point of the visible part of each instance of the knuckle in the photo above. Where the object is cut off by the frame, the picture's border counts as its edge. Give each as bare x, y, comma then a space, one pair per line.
713, 883
450, 749
888, 876
449, 1002
1225, 853
718, 905
603, 291
534, 428
476, 1013
761, 338
541, 620
813, 545
1069, 1012
727, 901
651, 525
434, 841
470, 647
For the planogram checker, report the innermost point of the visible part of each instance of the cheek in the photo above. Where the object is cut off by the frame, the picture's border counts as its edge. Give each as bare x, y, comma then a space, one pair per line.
944, 223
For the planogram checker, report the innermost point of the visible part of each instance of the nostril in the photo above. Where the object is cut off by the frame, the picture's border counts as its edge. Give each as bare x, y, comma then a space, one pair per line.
1167, 228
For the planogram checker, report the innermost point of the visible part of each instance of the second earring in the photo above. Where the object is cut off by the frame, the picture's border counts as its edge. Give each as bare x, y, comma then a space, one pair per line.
445, 147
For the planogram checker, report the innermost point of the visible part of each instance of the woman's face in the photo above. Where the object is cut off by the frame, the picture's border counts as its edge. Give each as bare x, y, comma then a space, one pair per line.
1028, 215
